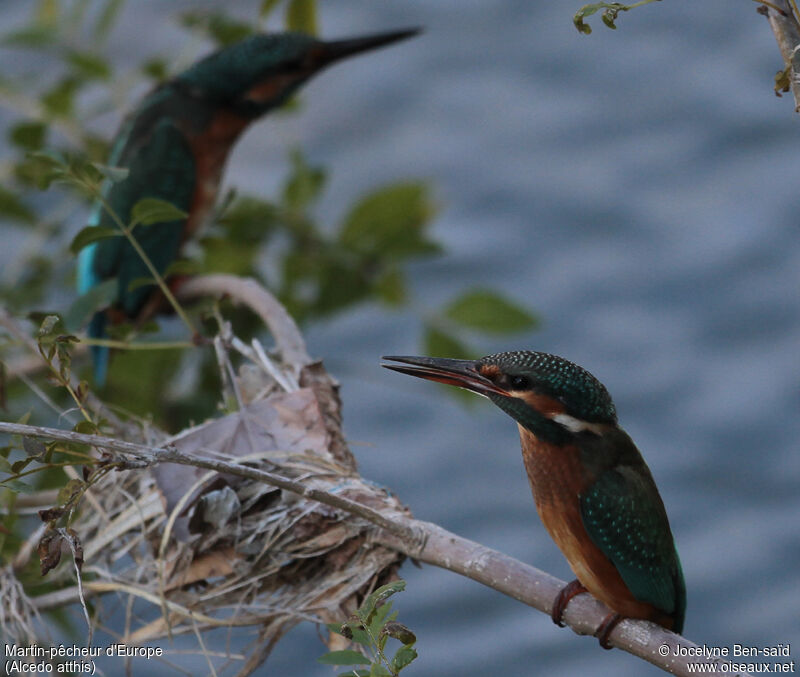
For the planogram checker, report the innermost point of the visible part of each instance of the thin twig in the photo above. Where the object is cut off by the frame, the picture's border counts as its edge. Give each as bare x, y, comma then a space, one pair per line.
16, 332
430, 543
127, 231
248, 291
784, 25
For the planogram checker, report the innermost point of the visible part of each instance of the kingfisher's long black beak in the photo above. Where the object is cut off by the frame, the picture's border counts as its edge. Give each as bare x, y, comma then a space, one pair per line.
461, 373
328, 52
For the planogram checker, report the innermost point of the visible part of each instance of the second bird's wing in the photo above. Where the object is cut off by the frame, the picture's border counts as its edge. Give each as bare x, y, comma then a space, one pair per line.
162, 167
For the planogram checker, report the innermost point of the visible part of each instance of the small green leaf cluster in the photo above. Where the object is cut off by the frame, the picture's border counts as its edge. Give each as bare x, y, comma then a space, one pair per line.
610, 13
480, 311
322, 271
371, 627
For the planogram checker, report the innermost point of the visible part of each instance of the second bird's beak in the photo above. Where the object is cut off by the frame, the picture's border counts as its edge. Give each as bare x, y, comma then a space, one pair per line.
334, 50
461, 373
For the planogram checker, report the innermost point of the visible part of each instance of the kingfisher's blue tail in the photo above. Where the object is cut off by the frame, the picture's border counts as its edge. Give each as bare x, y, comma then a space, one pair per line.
97, 329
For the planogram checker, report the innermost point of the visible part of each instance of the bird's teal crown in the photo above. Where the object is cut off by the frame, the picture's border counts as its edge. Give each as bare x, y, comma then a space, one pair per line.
229, 72
583, 396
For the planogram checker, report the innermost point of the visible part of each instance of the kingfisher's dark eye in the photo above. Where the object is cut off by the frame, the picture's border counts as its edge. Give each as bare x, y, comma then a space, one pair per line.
519, 382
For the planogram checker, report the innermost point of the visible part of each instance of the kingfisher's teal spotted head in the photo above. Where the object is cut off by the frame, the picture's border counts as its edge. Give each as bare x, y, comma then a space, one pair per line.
262, 71
550, 396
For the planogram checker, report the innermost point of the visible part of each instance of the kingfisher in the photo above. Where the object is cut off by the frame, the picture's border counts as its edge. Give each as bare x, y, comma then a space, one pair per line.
593, 490
174, 146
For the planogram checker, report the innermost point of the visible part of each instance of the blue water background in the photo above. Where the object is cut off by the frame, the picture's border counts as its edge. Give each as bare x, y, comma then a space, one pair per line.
639, 189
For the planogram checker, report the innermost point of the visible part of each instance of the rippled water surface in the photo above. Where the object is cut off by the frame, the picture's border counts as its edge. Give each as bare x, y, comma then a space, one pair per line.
639, 189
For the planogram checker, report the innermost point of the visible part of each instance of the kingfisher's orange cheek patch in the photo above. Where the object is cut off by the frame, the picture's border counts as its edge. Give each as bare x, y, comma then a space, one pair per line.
490, 371
262, 92
544, 404
266, 91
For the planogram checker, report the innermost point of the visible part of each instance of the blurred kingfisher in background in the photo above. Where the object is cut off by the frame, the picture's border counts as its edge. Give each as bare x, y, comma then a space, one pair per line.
593, 490
174, 146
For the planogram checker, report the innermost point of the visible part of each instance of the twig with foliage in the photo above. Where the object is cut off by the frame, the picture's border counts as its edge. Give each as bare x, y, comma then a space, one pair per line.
783, 19
610, 12
426, 542
371, 626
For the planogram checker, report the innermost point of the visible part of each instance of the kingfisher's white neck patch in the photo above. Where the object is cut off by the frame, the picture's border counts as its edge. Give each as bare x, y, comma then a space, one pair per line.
576, 425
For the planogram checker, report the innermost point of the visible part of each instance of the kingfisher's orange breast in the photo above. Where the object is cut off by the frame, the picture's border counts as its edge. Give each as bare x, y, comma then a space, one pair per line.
210, 149
558, 479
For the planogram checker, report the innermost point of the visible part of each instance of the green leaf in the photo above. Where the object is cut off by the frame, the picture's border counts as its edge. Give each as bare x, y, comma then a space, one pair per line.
441, 344
89, 66
377, 670
301, 15
33, 447
225, 255
379, 618
12, 208
97, 150
86, 428
390, 223
379, 595
399, 632
69, 490
17, 486
344, 657
356, 633
107, 18
18, 466
338, 285
391, 287
59, 100
33, 37
42, 168
404, 656
51, 324
47, 12
121, 332
783, 80
489, 312
218, 26
150, 210
113, 174
99, 296
138, 282
28, 135
90, 234
611, 11
183, 267
267, 7
580, 15
304, 184
156, 69
609, 17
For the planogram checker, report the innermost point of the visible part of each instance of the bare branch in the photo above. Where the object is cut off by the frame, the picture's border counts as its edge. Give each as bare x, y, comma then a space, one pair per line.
247, 291
429, 543
787, 32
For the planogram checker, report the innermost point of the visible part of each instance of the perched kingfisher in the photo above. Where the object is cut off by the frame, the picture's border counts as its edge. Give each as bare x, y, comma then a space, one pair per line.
174, 146
592, 488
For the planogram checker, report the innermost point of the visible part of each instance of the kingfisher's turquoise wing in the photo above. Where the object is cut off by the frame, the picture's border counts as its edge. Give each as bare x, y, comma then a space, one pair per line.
161, 166
625, 517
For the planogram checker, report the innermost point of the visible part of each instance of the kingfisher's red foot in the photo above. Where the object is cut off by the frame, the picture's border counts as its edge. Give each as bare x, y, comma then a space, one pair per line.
564, 596
605, 628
